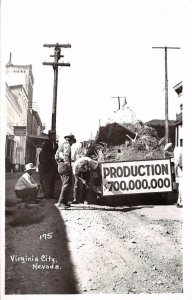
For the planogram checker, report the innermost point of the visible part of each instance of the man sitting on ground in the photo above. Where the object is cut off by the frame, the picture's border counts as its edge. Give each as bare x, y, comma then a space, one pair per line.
26, 188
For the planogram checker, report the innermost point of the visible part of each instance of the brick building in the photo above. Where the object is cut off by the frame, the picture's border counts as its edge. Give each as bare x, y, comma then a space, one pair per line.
24, 126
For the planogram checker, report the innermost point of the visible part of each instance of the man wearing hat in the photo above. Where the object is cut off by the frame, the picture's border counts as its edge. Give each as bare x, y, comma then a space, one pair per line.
63, 158
26, 188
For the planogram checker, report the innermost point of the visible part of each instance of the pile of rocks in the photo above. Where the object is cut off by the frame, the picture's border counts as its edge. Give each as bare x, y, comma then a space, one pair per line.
145, 145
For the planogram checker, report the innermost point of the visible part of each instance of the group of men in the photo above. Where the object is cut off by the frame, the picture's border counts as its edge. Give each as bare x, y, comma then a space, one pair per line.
55, 159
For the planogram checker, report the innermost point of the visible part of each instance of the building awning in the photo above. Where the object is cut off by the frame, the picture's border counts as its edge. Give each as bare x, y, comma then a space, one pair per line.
179, 123
37, 140
179, 88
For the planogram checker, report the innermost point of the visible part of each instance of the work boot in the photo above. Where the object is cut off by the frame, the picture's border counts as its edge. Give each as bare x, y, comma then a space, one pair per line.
64, 206
75, 202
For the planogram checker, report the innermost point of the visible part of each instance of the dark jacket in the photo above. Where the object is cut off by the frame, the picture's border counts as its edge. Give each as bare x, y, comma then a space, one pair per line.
47, 156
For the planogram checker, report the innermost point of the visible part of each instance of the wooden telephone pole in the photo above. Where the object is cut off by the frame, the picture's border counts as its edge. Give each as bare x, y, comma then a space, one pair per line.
57, 55
166, 93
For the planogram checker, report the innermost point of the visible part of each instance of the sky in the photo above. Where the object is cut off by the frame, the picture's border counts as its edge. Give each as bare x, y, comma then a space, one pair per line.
111, 55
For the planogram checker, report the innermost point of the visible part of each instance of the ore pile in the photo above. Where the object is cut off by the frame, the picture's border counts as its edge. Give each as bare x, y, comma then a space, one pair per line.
145, 145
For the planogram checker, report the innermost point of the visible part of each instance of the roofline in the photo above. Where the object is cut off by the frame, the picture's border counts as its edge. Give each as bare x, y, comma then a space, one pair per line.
37, 117
15, 85
20, 86
159, 120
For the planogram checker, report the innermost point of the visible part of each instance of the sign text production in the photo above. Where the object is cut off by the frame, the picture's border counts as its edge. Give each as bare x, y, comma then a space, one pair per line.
147, 176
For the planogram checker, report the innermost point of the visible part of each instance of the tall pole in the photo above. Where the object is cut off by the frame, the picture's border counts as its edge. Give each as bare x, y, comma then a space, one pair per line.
55, 85
166, 101
166, 93
57, 55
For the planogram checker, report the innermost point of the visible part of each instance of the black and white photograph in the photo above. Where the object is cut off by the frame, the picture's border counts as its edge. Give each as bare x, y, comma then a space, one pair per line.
92, 112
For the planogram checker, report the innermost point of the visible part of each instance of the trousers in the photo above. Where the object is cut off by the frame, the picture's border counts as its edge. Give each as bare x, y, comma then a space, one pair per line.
66, 179
27, 195
79, 190
48, 182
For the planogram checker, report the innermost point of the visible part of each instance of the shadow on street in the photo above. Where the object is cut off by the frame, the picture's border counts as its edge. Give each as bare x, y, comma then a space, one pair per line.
87, 207
33, 270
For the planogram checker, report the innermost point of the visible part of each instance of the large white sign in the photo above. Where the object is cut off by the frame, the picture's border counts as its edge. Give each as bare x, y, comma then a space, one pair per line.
133, 177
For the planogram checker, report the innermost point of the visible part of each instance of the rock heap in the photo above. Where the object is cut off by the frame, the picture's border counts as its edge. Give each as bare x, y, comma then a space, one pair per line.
141, 143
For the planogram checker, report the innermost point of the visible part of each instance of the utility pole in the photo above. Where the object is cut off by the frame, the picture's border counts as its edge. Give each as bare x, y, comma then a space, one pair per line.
119, 103
57, 55
166, 92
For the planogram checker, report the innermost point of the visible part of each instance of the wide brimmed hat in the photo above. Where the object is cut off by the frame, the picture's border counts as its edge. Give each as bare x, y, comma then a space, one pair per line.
71, 137
29, 166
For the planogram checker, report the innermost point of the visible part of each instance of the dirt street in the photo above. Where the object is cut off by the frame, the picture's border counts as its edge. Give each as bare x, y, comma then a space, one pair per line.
93, 249
126, 249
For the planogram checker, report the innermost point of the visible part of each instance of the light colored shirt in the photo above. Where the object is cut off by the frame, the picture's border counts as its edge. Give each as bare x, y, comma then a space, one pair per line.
178, 156
80, 162
64, 152
25, 181
178, 163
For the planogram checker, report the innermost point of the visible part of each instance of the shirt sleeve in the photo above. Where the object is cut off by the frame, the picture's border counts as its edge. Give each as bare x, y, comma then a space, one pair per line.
64, 152
29, 182
60, 149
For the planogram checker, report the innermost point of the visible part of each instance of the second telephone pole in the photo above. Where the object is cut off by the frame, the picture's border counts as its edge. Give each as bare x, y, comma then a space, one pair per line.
57, 55
166, 92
